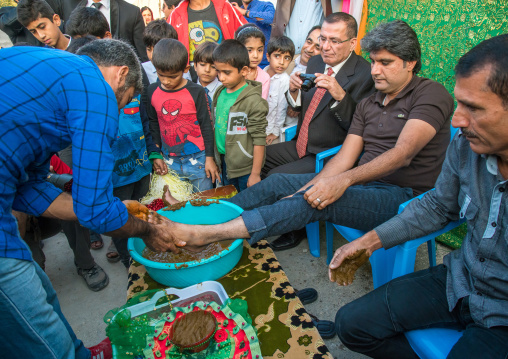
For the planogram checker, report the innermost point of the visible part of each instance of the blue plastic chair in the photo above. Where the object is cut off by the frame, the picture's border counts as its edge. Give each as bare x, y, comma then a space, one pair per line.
312, 228
289, 133
434, 343
385, 263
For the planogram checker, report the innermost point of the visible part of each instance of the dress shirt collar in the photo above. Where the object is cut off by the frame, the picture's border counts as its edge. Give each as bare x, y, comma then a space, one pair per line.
105, 3
337, 67
297, 61
212, 86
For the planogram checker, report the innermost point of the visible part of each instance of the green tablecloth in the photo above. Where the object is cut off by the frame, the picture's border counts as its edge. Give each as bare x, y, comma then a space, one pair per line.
285, 330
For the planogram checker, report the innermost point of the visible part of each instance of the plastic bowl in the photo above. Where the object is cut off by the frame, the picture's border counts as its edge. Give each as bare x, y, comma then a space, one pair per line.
181, 275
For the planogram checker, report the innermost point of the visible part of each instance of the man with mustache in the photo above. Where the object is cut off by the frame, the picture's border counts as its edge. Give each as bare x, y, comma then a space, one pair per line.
403, 131
468, 291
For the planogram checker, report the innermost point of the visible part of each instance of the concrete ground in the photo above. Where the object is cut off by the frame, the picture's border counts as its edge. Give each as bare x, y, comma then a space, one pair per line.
85, 309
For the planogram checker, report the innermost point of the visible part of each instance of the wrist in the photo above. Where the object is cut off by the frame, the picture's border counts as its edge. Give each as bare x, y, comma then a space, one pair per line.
371, 242
340, 96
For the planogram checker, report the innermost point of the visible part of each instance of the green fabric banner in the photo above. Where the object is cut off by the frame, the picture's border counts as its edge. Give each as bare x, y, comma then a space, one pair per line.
447, 29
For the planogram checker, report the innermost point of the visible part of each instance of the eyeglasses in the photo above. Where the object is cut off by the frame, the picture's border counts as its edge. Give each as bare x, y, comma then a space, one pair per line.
322, 40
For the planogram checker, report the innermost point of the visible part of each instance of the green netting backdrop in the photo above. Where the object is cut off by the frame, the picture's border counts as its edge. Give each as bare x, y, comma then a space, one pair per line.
447, 29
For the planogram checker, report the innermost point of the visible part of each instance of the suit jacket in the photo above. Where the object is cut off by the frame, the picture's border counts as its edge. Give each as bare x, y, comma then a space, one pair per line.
328, 127
11, 26
126, 21
283, 12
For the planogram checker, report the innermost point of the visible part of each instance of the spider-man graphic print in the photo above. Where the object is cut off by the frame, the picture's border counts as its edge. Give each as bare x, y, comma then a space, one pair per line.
180, 132
183, 124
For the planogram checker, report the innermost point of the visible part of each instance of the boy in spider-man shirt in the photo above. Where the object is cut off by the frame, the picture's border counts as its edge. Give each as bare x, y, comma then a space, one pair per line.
180, 117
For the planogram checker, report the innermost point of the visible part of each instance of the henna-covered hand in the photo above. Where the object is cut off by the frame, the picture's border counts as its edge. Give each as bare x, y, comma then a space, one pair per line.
345, 273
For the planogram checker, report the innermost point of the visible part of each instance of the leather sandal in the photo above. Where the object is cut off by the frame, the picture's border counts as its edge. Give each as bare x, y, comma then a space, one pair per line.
288, 240
307, 295
326, 328
112, 255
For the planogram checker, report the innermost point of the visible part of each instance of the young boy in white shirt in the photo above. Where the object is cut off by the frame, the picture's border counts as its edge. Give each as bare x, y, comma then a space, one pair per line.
207, 74
280, 51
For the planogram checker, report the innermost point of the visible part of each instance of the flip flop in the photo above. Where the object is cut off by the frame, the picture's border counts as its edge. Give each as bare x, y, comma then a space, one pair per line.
97, 245
326, 328
307, 295
112, 255
97, 242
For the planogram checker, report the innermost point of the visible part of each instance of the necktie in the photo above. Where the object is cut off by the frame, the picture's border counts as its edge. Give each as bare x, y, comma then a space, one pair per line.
97, 5
303, 136
207, 91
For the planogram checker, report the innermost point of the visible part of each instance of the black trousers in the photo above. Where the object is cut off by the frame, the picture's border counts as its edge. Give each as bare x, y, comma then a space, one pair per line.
283, 158
134, 191
374, 324
79, 241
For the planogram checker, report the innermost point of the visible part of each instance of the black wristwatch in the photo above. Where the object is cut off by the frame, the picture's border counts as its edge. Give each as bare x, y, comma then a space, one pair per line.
247, 13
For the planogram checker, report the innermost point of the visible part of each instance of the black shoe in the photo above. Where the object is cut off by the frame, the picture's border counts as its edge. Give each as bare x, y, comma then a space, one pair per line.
326, 328
307, 295
289, 240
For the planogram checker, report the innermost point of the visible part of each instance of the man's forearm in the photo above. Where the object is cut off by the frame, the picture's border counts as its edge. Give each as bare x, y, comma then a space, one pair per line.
61, 208
134, 227
380, 167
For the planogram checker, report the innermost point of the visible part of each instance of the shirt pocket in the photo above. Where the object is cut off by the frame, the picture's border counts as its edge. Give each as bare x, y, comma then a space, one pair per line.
468, 210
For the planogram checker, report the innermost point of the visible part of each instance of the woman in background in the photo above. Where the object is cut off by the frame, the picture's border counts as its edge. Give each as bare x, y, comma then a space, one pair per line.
147, 14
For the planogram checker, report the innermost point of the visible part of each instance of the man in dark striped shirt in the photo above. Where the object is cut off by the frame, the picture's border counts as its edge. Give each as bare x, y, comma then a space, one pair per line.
49, 100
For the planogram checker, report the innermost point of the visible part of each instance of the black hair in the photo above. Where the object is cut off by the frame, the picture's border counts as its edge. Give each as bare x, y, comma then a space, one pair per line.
350, 21
87, 21
170, 3
205, 51
170, 55
232, 52
157, 30
146, 8
396, 37
317, 27
281, 43
491, 53
78, 43
247, 31
31, 10
109, 52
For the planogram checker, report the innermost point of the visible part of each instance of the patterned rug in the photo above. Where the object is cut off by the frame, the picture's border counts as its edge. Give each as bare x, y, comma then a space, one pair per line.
285, 329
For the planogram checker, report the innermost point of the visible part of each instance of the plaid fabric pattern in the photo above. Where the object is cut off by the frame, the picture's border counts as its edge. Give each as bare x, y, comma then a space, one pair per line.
50, 98
303, 136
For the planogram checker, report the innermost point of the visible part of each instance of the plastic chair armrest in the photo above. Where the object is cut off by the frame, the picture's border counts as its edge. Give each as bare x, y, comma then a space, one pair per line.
290, 132
320, 157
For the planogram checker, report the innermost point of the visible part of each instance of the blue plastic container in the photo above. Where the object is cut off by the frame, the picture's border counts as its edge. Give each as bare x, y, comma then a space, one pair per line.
193, 272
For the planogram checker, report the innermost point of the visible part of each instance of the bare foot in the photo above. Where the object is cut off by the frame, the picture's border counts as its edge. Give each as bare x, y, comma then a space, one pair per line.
345, 273
168, 198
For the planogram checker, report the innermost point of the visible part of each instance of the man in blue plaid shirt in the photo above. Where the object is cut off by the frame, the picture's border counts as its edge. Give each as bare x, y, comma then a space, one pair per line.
49, 100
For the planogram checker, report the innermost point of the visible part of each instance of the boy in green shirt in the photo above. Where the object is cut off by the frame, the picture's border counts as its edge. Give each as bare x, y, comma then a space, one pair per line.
240, 117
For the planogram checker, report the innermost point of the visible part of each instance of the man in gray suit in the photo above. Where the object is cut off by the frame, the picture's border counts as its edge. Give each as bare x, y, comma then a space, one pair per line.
350, 81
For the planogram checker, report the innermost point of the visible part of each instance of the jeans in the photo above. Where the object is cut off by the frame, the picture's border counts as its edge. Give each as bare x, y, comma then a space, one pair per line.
362, 207
32, 323
239, 182
133, 191
192, 167
374, 324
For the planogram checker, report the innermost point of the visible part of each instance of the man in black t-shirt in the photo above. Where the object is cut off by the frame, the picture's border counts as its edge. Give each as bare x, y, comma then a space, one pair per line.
197, 21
